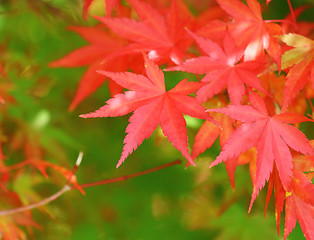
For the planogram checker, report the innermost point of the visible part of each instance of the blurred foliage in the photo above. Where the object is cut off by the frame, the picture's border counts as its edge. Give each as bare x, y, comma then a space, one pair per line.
175, 203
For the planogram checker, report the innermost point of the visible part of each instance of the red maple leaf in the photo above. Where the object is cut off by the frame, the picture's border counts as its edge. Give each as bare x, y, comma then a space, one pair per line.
299, 202
152, 105
296, 209
251, 32
300, 59
222, 69
300, 205
102, 44
163, 36
270, 134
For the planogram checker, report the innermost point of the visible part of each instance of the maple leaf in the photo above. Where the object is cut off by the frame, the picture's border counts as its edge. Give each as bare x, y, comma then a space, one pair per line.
296, 209
207, 135
162, 36
300, 59
299, 202
300, 206
101, 45
222, 70
250, 30
301, 186
152, 105
270, 134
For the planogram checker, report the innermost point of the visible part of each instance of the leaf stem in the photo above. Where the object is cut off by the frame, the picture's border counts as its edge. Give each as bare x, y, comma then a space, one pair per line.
292, 15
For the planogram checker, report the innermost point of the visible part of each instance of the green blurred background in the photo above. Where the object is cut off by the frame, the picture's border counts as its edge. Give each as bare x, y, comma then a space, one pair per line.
174, 203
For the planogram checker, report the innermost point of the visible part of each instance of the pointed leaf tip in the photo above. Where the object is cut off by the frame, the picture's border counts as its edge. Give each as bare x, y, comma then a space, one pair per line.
214, 163
84, 115
118, 164
190, 162
252, 200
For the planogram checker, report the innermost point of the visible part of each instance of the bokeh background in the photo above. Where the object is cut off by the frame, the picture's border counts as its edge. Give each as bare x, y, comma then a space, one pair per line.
174, 203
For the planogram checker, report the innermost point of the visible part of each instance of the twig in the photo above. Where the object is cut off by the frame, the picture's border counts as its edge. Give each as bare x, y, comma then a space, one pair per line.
130, 176
36, 205
67, 187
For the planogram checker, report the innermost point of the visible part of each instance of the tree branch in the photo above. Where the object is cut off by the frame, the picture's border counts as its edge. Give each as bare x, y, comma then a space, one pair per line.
38, 204
130, 175
67, 187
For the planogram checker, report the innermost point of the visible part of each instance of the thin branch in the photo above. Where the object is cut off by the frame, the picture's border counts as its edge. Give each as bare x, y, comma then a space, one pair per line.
38, 204
15, 166
67, 187
131, 175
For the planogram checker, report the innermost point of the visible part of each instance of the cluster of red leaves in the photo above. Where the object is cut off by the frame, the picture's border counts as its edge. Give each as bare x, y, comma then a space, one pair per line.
238, 51
22, 139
